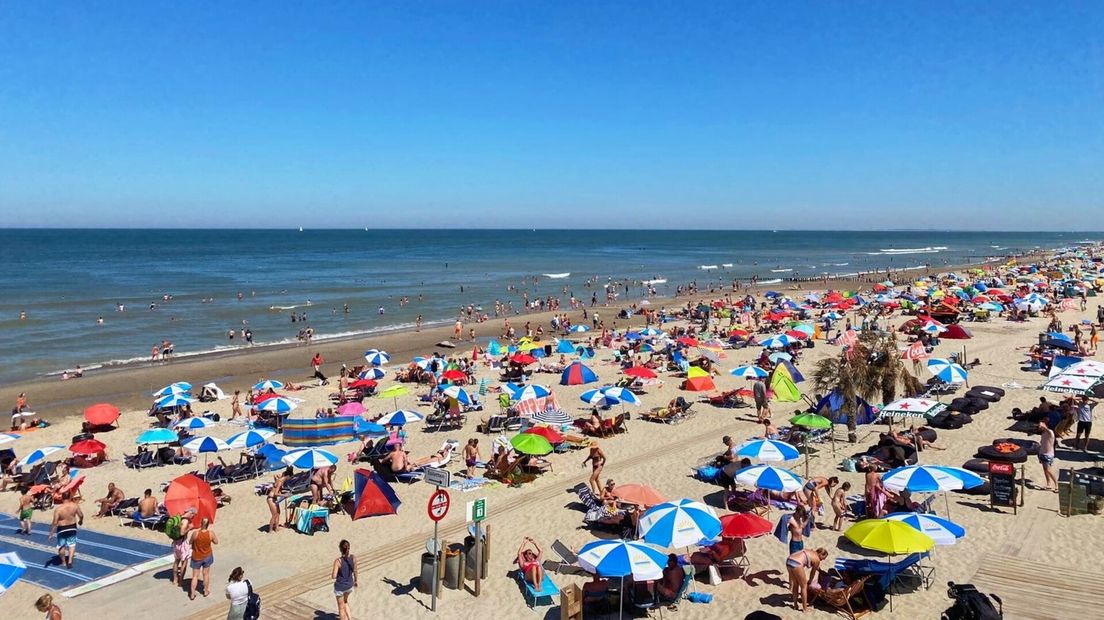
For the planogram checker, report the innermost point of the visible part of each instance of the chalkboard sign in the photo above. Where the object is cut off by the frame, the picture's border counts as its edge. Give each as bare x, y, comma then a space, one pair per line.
1002, 484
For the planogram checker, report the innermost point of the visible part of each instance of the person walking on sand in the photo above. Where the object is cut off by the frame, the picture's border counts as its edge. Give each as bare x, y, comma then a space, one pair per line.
345, 578
45, 604
762, 403
203, 556
597, 460
316, 363
67, 518
237, 592
1046, 456
26, 511
178, 528
1084, 409
275, 496
235, 405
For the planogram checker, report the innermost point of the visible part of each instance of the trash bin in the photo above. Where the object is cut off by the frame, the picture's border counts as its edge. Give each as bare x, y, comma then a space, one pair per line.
425, 582
453, 557
469, 561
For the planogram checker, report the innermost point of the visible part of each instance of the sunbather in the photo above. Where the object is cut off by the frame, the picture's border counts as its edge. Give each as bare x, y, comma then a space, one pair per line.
529, 562
676, 579
112, 499
147, 506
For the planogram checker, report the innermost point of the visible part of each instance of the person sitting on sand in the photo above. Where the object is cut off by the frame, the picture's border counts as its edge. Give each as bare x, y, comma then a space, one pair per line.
147, 506
111, 500
594, 423
529, 562
770, 431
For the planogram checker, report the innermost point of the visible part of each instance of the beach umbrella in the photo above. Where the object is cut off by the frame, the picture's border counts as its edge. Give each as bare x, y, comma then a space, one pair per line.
8, 438
173, 400
638, 494
457, 393
633, 336
912, 408
811, 420
453, 375
529, 392
199, 445
531, 443
364, 427
279, 405
941, 531
639, 372
554, 417
621, 558
88, 447
157, 436
768, 450
101, 414
194, 423
400, 417
946, 371
778, 341
376, 357
769, 477
38, 456
749, 372
916, 351
523, 359
12, 568
650, 331
309, 458
351, 408
577, 374
268, 384
191, 492
679, 523
1073, 384
623, 395
745, 525
579, 328
180, 387
598, 398
1086, 368
376, 374
393, 392
551, 435
889, 536
930, 479
251, 438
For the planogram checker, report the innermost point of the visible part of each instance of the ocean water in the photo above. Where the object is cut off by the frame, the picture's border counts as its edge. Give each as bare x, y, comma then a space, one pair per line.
66, 279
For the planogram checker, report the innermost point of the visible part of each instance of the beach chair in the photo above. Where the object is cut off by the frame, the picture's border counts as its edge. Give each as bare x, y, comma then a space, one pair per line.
569, 561
436, 422
546, 595
514, 423
312, 519
837, 593
152, 522
888, 573
494, 424
661, 415
643, 596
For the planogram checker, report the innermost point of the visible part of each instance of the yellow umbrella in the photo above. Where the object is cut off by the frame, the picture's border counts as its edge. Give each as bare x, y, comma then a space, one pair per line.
394, 392
890, 537
696, 372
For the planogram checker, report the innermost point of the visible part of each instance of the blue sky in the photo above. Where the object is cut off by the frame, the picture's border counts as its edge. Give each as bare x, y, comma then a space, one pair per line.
563, 114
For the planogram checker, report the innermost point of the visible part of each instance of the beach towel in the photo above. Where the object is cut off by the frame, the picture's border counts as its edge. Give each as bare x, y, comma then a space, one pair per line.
782, 529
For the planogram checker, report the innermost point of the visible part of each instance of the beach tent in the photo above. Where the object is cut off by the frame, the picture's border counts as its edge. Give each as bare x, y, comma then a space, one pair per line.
831, 407
787, 367
565, 346
784, 389
956, 332
699, 384
577, 374
372, 495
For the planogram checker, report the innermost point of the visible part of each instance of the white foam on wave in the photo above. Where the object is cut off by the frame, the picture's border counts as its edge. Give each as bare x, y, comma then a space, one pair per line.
895, 251
774, 281
707, 267
656, 281
556, 276
781, 270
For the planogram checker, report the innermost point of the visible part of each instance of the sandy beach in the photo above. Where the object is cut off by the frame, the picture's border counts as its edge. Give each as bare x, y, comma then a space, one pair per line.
292, 570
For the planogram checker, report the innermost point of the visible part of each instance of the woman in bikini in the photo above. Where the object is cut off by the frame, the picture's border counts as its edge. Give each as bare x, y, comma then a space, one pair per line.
274, 499
597, 460
529, 562
802, 567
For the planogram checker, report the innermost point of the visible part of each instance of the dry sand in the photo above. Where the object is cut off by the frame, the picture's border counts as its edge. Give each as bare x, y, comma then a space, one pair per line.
289, 565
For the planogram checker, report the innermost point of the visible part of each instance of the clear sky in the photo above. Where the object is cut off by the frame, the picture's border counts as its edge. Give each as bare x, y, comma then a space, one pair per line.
476, 113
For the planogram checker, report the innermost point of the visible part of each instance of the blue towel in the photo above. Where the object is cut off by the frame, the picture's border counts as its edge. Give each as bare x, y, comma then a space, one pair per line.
782, 530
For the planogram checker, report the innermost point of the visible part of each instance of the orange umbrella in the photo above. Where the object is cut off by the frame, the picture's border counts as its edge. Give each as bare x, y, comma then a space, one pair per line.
190, 491
638, 494
101, 414
551, 435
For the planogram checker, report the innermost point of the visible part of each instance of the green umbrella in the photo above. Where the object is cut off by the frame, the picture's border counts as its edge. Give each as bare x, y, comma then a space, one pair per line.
393, 392
811, 420
528, 443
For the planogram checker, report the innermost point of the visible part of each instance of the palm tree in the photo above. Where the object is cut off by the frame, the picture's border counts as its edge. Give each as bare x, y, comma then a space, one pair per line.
868, 369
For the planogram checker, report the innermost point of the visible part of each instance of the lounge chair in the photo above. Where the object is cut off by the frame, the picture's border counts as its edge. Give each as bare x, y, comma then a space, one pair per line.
152, 522
569, 561
546, 595
888, 573
494, 424
837, 593
662, 415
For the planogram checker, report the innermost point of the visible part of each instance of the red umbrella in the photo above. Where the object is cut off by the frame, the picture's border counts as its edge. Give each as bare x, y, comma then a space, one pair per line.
745, 525
363, 383
88, 447
453, 375
101, 414
797, 334
523, 359
551, 435
640, 372
688, 341
190, 491
739, 333
260, 398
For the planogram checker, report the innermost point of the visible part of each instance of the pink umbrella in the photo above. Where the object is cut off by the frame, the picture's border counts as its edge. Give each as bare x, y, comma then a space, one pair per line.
351, 408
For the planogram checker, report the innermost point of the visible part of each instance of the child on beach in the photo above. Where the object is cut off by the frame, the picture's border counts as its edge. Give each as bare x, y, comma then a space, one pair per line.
839, 505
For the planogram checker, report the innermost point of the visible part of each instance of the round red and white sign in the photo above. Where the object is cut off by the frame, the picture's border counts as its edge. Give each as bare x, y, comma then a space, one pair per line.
438, 505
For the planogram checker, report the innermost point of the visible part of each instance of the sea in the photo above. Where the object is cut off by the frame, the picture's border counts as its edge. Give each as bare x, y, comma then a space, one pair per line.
104, 298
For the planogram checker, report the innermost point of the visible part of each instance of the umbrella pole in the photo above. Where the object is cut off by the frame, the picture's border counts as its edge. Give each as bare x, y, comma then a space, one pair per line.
948, 500
621, 600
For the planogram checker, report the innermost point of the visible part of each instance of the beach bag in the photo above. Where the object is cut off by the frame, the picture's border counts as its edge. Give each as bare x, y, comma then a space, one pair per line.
252, 604
708, 473
714, 575
172, 527
848, 464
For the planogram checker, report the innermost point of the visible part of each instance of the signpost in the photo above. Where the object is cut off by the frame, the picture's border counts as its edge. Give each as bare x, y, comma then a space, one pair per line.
1002, 485
440, 478
437, 509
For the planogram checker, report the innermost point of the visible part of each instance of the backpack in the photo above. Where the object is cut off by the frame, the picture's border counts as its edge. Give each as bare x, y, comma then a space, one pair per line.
252, 604
172, 527
970, 604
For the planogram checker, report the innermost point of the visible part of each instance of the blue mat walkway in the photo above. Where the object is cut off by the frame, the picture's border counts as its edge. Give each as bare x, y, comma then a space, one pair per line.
98, 554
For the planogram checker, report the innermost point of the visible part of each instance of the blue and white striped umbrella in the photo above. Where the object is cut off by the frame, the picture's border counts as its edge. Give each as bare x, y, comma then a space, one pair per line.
769, 477
38, 456
309, 458
529, 392
195, 424
268, 384
621, 558
650, 331
11, 569
552, 417
598, 398
376, 357
930, 479
251, 438
578, 328
374, 374
942, 531
679, 523
778, 341
279, 405
173, 400
457, 392
156, 436
400, 417
422, 362
624, 395
768, 450
947, 371
749, 372
173, 389
833, 316
8, 438
205, 444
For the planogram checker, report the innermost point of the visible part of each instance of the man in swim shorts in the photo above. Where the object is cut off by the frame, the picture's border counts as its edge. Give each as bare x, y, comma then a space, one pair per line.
26, 511
67, 517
